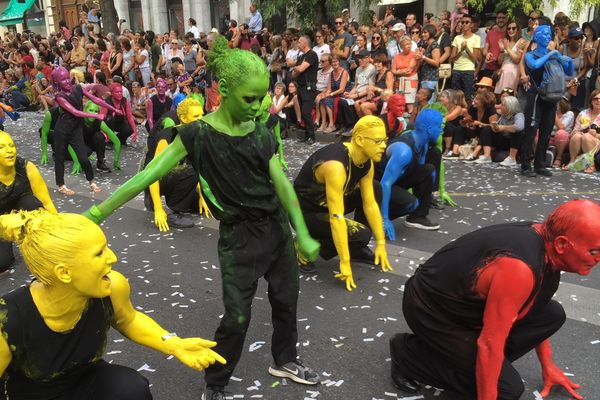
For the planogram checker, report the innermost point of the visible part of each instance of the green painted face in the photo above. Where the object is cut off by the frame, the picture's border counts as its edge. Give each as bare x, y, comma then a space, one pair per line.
242, 102
92, 108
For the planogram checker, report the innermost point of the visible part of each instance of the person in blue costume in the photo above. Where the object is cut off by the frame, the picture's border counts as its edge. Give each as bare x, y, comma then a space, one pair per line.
404, 167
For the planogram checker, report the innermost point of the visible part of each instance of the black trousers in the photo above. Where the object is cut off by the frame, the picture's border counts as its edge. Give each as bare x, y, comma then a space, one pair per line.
346, 115
249, 250
359, 234
179, 187
500, 141
445, 358
539, 116
421, 181
7, 257
307, 102
121, 127
75, 139
96, 142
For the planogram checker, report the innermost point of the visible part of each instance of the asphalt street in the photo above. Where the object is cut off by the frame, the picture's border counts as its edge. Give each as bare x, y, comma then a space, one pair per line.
344, 336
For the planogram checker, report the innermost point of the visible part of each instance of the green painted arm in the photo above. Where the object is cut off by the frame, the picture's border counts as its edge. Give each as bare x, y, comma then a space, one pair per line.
444, 196
76, 165
277, 131
45, 131
155, 170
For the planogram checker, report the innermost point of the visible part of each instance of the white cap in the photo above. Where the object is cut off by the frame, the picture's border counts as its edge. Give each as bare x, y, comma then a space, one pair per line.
345, 10
214, 30
399, 26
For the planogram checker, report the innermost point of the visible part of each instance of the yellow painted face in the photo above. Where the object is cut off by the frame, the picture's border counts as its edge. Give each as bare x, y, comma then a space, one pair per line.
93, 262
8, 151
194, 113
374, 143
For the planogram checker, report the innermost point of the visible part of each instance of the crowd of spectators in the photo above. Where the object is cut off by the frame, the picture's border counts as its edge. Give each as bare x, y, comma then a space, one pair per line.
473, 66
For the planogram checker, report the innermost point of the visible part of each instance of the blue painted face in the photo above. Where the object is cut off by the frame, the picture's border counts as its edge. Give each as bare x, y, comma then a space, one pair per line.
542, 35
429, 122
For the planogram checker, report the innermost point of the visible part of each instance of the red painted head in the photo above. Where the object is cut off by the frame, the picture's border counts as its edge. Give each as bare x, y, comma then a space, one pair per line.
61, 79
116, 91
161, 87
572, 233
396, 108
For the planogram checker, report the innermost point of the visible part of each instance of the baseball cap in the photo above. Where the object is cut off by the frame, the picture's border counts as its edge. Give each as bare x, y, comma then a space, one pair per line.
117, 79
345, 10
576, 32
398, 27
363, 54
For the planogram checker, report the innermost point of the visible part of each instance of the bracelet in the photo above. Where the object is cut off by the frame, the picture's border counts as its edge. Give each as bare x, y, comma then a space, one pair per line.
168, 336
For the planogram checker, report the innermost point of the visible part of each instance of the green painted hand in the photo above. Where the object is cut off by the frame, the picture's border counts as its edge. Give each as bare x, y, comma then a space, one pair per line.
76, 168
44, 159
308, 247
446, 199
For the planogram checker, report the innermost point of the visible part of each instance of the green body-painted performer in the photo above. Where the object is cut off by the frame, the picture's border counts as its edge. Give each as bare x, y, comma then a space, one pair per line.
92, 136
250, 195
272, 122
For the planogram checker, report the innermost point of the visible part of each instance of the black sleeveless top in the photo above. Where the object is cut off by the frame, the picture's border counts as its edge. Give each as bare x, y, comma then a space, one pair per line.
90, 130
153, 135
67, 122
158, 108
45, 364
9, 195
404, 138
312, 194
444, 286
121, 106
236, 170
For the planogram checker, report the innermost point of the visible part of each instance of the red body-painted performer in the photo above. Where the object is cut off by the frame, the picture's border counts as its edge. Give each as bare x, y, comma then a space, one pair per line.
123, 122
485, 300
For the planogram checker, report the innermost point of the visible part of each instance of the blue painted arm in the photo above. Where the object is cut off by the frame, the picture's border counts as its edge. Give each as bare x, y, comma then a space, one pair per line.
537, 63
400, 156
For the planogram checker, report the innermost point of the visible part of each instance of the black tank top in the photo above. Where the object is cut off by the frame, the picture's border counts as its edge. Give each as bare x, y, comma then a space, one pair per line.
445, 285
121, 106
311, 193
45, 364
158, 108
153, 139
9, 195
410, 141
66, 122
90, 130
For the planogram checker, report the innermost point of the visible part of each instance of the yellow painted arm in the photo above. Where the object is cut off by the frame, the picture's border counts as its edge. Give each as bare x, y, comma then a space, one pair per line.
38, 187
333, 174
194, 352
5, 354
160, 216
374, 218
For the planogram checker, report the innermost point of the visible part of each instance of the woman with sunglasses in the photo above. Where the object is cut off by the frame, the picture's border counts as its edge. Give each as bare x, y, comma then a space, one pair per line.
586, 133
573, 48
378, 44
511, 52
428, 61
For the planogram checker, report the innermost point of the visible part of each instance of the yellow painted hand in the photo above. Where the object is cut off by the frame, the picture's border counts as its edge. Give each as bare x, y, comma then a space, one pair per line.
160, 220
196, 353
381, 258
204, 210
346, 275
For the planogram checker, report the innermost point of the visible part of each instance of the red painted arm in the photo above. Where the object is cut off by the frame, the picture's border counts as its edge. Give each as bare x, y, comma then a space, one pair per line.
100, 102
150, 113
65, 105
129, 115
506, 284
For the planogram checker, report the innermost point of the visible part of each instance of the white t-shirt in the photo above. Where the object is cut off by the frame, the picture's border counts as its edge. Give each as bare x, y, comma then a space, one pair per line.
320, 50
195, 31
145, 64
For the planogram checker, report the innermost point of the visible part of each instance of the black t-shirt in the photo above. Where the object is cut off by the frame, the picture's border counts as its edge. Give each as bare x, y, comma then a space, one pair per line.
309, 76
235, 169
311, 193
487, 113
45, 364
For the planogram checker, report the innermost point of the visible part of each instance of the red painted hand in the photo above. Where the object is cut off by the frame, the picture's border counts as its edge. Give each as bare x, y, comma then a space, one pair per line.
554, 376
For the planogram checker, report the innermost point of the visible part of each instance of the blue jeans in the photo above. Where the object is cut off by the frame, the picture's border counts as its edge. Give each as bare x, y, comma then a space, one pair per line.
18, 99
432, 86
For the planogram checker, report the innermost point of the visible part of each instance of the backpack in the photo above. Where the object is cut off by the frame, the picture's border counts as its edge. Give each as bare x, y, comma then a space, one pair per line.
554, 82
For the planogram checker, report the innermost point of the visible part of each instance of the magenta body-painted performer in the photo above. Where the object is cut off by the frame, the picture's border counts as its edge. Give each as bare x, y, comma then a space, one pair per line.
121, 122
69, 127
158, 104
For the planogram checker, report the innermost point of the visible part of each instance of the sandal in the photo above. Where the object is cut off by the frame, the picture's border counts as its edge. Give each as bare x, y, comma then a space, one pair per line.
590, 170
65, 190
94, 188
566, 167
556, 164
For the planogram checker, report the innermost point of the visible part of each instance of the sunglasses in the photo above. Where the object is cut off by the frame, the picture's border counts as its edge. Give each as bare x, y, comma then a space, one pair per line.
339, 23
415, 32
364, 33
508, 90
511, 28
376, 37
596, 99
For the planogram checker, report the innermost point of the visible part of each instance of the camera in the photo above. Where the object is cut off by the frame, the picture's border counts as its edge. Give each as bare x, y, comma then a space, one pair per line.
594, 127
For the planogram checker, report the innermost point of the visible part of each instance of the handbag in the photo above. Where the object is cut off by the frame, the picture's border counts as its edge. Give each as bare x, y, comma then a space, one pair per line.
275, 67
445, 71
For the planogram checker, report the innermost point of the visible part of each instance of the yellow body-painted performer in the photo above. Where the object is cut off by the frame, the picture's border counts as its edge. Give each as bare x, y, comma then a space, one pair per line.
188, 111
22, 187
336, 180
54, 330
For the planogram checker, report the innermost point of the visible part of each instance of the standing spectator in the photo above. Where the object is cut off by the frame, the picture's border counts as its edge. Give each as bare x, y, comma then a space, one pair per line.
174, 52
393, 45
255, 24
527, 33
327, 32
389, 15
378, 45
115, 62
83, 23
64, 30
511, 48
576, 84
404, 68
305, 74
242, 38
193, 29
410, 20
321, 47
428, 61
443, 40
142, 59
94, 19
465, 55
342, 43
491, 49
360, 45
155, 52
104, 56
128, 59
276, 61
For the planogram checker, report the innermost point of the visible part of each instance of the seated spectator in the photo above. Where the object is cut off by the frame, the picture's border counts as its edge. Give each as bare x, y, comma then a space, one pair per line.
476, 122
485, 84
292, 106
422, 99
138, 103
563, 126
504, 134
338, 84
279, 101
384, 80
44, 93
586, 133
20, 93
184, 80
454, 101
323, 78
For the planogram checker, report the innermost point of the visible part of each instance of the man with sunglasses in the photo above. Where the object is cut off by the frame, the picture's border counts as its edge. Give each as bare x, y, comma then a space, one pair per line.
336, 180
491, 50
465, 55
527, 33
342, 43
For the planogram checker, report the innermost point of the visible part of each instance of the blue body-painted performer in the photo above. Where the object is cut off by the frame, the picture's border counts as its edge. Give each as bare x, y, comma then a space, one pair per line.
405, 166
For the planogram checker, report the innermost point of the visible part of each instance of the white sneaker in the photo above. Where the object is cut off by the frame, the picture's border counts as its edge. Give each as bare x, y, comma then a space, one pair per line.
508, 162
483, 160
470, 158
